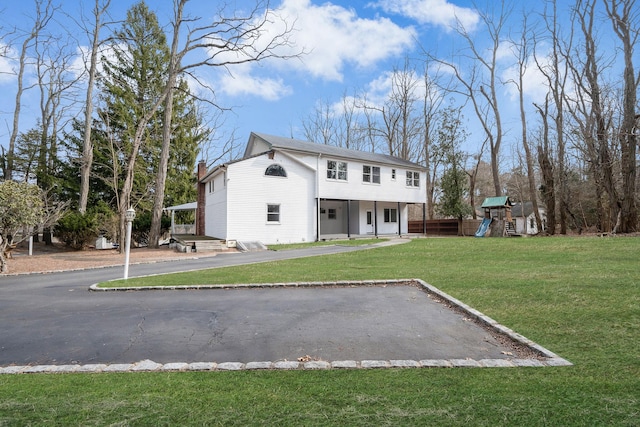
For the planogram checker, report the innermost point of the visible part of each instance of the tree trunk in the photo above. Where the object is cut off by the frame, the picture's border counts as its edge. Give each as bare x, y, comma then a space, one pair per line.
161, 177
621, 13
87, 147
548, 191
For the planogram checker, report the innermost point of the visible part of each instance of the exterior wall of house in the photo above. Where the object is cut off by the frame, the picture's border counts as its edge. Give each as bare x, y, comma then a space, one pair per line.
333, 217
378, 214
216, 206
355, 188
250, 191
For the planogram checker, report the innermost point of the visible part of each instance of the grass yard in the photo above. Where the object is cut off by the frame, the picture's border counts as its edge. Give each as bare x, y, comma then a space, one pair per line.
578, 297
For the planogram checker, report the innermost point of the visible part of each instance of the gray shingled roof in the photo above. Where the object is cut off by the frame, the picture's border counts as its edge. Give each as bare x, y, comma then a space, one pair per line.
516, 210
278, 142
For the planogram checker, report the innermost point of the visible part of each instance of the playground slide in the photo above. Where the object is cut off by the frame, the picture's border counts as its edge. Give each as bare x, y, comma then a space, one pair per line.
484, 225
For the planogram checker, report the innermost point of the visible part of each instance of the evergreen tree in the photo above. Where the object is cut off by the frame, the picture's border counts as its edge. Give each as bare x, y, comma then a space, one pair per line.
454, 183
187, 134
132, 82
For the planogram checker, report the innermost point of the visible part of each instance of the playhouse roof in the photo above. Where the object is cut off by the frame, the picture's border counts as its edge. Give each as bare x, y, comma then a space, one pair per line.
494, 202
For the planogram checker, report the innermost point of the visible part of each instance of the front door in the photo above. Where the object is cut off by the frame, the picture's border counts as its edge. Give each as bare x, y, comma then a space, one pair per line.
370, 225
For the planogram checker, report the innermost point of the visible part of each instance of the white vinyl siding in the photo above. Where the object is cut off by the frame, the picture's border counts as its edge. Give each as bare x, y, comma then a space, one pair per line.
251, 191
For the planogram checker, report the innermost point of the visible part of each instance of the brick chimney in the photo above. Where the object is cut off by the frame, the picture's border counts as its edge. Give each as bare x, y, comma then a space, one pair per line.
200, 209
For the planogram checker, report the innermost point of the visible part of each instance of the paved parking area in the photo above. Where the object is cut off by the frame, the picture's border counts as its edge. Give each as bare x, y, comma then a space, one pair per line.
312, 326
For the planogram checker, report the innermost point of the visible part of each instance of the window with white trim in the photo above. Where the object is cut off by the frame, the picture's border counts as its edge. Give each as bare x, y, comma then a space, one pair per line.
211, 186
371, 174
336, 170
332, 214
273, 213
413, 179
390, 215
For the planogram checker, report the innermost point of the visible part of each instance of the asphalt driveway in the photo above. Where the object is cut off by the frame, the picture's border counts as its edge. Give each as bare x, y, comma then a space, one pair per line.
52, 319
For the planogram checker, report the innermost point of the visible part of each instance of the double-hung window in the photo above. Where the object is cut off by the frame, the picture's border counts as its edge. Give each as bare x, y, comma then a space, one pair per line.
336, 170
273, 213
371, 174
413, 179
390, 215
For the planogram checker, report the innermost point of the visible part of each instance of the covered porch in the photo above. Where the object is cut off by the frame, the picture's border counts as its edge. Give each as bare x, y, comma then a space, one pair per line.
346, 219
181, 229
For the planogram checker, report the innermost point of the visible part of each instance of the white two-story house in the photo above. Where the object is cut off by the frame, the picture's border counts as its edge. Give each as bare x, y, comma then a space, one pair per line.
287, 191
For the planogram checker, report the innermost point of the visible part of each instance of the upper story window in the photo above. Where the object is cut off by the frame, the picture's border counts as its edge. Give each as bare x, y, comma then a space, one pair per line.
211, 186
371, 174
275, 170
336, 170
413, 179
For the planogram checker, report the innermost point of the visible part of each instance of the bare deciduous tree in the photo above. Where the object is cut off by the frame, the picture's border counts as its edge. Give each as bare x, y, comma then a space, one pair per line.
43, 14
480, 83
624, 17
523, 52
227, 41
86, 160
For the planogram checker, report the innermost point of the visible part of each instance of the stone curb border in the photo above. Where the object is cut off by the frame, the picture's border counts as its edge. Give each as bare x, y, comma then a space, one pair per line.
151, 366
547, 358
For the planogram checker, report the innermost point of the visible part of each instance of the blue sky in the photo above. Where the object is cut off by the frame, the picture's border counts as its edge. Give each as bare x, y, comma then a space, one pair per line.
351, 46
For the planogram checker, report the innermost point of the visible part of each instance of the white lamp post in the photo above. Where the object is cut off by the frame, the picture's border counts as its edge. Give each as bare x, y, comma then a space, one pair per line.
129, 216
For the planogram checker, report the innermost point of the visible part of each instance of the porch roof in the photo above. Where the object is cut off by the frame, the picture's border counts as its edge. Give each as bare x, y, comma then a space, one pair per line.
183, 207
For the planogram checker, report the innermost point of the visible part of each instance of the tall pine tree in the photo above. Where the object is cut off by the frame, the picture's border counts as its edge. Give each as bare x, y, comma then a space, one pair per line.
132, 86
132, 81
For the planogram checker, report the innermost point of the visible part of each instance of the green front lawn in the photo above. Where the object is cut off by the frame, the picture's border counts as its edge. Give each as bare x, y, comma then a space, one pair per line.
578, 297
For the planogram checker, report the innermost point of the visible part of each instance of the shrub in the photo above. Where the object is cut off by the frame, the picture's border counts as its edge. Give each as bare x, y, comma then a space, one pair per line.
77, 230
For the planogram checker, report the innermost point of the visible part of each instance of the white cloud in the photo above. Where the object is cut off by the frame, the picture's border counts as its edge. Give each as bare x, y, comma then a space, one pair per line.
332, 37
535, 83
244, 83
335, 36
435, 12
7, 71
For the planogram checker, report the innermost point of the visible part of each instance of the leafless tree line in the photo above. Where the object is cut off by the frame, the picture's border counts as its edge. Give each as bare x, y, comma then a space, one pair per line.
579, 142
226, 40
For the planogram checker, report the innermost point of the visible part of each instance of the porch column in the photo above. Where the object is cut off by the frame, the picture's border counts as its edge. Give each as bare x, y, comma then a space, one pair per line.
348, 219
400, 221
317, 219
375, 218
202, 199
424, 219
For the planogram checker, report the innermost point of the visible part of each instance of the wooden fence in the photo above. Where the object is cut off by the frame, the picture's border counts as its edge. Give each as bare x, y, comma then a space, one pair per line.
445, 227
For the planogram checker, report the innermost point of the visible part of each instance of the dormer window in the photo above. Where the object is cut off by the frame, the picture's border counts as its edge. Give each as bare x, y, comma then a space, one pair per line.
275, 170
